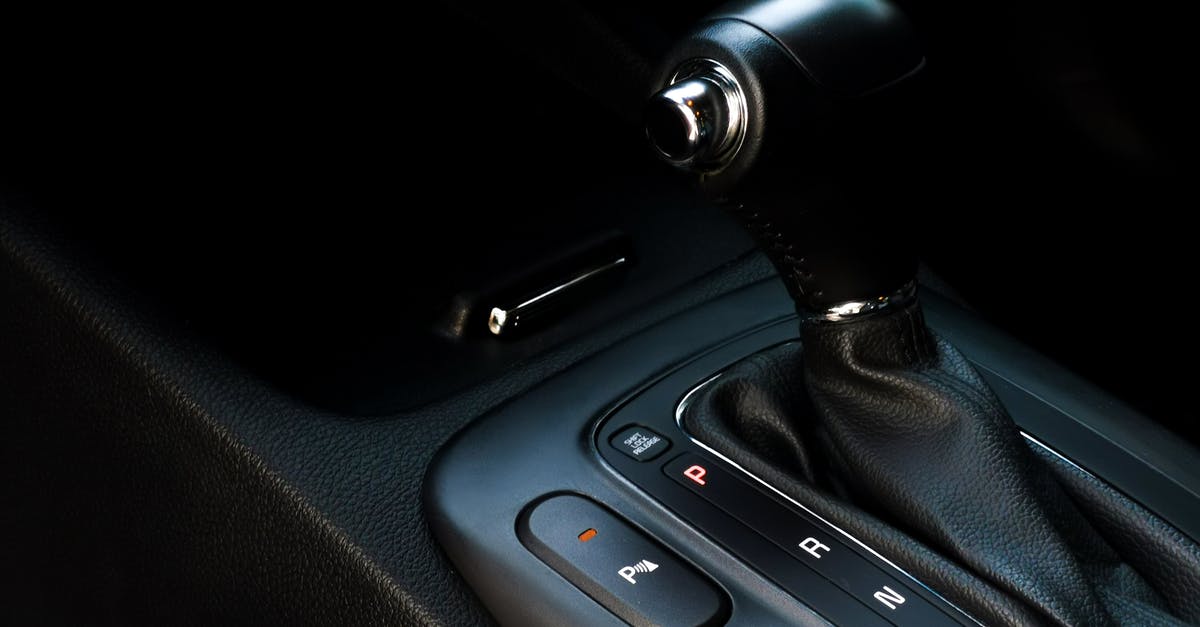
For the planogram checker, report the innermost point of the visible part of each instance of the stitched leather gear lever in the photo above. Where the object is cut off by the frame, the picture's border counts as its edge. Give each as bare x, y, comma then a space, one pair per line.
794, 115
830, 80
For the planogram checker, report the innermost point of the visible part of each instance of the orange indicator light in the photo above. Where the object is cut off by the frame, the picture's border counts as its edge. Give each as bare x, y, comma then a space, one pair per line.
587, 535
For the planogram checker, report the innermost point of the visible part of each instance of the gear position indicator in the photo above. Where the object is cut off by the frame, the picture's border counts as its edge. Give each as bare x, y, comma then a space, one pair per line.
810, 542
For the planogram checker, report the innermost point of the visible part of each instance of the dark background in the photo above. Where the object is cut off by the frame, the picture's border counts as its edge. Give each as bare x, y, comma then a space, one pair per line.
211, 245
243, 167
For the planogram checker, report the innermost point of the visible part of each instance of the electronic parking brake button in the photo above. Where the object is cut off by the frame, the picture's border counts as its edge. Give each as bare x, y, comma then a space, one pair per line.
640, 443
634, 577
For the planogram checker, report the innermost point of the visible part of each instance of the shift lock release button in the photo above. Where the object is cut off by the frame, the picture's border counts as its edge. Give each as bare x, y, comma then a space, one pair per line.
640, 443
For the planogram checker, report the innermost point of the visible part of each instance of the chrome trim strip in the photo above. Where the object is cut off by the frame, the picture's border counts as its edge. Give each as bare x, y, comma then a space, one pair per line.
1055, 453
679, 409
855, 309
500, 319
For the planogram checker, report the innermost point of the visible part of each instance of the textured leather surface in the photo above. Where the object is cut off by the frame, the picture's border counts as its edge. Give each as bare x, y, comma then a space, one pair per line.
1166, 558
132, 496
901, 425
149, 479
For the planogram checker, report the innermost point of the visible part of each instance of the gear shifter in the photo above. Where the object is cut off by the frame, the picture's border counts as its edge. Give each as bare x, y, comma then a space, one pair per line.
787, 121
795, 116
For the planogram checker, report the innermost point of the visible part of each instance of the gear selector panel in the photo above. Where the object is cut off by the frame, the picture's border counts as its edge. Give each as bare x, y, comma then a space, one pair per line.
839, 577
810, 544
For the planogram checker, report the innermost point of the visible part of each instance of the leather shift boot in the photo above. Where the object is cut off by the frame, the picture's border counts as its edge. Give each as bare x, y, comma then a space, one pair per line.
887, 431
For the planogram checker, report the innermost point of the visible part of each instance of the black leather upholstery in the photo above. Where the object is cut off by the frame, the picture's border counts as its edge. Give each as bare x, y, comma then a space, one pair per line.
883, 414
149, 482
149, 479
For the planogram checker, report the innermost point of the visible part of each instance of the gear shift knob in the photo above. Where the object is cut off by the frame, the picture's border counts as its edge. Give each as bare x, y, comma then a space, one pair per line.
791, 114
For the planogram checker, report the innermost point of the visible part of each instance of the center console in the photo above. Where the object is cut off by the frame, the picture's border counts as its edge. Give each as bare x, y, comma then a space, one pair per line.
600, 448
